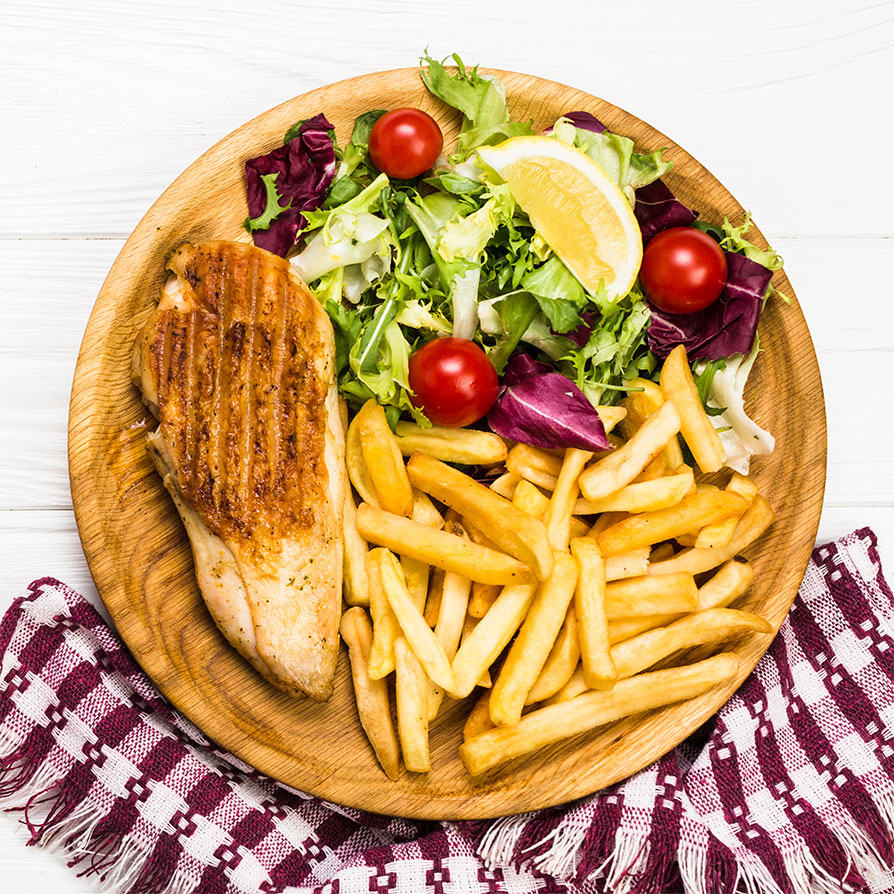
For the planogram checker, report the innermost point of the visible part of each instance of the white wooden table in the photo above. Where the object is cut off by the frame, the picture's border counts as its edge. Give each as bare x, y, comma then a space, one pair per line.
104, 103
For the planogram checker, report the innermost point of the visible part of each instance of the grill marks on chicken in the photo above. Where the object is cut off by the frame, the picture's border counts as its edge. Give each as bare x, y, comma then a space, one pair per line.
237, 363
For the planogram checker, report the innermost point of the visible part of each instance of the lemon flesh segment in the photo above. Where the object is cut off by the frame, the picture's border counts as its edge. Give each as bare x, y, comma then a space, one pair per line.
575, 206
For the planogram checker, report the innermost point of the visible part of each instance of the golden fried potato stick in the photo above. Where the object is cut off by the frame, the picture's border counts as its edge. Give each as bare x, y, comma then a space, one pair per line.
482, 597
535, 465
561, 504
355, 579
696, 427
479, 718
650, 595
420, 637
714, 625
691, 512
385, 627
641, 496
640, 405
470, 624
356, 464
623, 464
560, 663
575, 686
720, 533
433, 602
371, 696
383, 460
530, 499
590, 710
505, 484
411, 693
589, 601
610, 416
757, 518
480, 649
533, 644
632, 564
506, 525
424, 511
439, 548
465, 446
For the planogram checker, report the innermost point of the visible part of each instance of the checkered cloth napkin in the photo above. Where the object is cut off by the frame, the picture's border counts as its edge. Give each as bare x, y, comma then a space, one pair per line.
789, 789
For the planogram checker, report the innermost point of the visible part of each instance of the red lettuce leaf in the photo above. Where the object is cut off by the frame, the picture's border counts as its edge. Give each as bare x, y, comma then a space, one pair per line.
726, 327
585, 121
306, 166
545, 409
656, 209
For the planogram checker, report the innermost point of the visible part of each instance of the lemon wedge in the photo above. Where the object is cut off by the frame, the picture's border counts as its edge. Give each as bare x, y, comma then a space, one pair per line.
575, 206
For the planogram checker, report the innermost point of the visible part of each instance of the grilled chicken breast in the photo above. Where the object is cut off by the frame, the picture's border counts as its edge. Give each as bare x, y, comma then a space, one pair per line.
238, 365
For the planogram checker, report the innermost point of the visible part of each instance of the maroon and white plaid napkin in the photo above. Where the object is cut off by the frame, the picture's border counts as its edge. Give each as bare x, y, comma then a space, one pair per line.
789, 789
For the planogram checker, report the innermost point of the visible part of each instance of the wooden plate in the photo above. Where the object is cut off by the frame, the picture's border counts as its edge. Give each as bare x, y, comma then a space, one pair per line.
139, 555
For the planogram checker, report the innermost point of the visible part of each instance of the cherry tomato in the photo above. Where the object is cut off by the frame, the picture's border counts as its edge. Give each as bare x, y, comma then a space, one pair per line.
405, 143
683, 270
453, 381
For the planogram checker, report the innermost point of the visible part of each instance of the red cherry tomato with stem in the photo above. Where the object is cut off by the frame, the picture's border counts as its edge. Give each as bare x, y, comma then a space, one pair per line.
453, 381
683, 270
405, 143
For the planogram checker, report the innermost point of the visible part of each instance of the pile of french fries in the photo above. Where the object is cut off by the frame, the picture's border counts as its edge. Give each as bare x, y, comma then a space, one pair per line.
556, 590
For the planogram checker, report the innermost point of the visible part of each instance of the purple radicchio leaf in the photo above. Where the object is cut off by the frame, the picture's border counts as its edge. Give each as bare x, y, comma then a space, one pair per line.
726, 327
305, 167
656, 209
580, 335
583, 120
545, 409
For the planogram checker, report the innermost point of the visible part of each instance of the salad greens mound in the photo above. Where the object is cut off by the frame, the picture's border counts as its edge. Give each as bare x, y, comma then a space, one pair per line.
398, 263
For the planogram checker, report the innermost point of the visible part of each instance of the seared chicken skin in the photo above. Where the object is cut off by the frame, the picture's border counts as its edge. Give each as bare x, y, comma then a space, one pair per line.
238, 365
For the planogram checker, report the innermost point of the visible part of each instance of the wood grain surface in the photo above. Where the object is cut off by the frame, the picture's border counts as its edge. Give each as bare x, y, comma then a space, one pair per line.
140, 559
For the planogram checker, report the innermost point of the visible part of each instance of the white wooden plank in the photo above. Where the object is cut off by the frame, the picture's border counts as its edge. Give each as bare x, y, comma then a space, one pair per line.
55, 282
771, 97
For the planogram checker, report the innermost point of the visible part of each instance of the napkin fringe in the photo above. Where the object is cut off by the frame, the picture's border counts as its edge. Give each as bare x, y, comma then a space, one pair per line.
630, 863
59, 818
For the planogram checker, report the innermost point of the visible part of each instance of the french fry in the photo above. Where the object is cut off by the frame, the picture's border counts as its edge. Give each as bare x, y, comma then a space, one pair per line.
465, 446
385, 627
661, 552
655, 469
433, 602
355, 580
411, 693
726, 586
479, 718
416, 575
560, 663
650, 595
590, 710
695, 425
530, 499
561, 504
605, 521
691, 512
449, 626
418, 634
533, 644
577, 527
721, 532
641, 496
371, 696
383, 460
621, 629
623, 464
470, 624
640, 406
439, 548
424, 511
479, 651
632, 564
477, 536
356, 464
507, 526
535, 465
482, 598
714, 625
610, 416
757, 518
575, 686
505, 485
589, 602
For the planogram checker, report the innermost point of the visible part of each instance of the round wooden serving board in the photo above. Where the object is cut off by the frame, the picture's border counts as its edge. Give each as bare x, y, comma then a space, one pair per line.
140, 558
